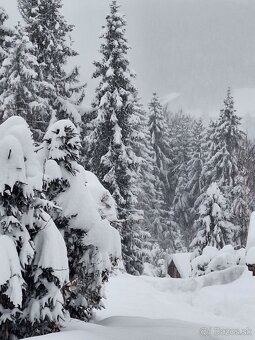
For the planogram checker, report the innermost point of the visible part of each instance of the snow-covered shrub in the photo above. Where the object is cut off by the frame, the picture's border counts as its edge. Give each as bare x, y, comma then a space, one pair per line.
157, 264
212, 260
93, 245
213, 221
35, 282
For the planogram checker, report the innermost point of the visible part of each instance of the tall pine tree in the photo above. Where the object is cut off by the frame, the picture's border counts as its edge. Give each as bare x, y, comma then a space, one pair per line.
223, 141
165, 230
110, 154
23, 85
5, 43
5, 35
225, 137
180, 145
49, 33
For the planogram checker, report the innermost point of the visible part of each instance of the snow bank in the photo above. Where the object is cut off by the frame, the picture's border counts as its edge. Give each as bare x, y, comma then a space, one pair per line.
141, 308
194, 284
148, 297
212, 260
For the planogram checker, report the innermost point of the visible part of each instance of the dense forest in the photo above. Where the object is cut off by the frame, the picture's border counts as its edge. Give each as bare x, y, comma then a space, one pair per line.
170, 183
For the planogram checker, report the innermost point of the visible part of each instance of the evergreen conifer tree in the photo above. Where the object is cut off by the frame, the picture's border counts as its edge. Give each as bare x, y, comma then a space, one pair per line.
79, 221
196, 162
195, 167
223, 141
213, 224
49, 33
159, 141
24, 89
5, 36
165, 230
180, 144
5, 43
110, 152
225, 137
242, 205
34, 303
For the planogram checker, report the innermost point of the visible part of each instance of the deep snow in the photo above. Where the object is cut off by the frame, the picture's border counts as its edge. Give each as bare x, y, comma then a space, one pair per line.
147, 308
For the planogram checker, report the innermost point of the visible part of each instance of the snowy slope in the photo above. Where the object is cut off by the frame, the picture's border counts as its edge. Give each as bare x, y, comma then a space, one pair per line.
146, 308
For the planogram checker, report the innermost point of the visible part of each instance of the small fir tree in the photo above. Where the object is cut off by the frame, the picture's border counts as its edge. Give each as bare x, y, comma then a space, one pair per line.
213, 224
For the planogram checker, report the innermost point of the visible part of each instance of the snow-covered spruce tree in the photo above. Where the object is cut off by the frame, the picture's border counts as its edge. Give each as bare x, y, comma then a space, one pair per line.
110, 155
249, 165
5, 43
180, 144
49, 33
11, 285
33, 304
179, 148
92, 244
195, 166
213, 224
243, 203
145, 179
157, 131
196, 162
159, 141
24, 90
164, 228
225, 137
5, 36
241, 209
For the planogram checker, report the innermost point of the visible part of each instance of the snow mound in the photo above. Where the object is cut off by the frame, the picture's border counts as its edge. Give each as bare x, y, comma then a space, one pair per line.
77, 203
17, 152
212, 260
104, 200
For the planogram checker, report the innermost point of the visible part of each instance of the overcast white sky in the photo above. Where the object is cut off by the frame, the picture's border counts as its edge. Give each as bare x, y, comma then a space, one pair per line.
195, 48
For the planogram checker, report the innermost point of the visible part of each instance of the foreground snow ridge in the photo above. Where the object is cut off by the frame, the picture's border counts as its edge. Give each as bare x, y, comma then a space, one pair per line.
149, 308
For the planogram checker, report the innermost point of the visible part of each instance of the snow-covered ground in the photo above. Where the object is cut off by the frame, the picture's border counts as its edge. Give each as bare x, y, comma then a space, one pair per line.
147, 308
